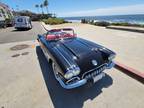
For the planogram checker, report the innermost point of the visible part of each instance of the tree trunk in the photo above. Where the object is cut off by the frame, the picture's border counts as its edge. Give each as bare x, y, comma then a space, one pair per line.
42, 11
38, 10
47, 9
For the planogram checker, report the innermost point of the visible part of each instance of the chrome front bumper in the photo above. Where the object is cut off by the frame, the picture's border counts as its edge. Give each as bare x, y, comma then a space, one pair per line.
110, 65
83, 81
74, 85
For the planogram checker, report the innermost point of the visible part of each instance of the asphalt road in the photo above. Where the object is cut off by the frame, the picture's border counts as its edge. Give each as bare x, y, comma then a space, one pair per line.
10, 34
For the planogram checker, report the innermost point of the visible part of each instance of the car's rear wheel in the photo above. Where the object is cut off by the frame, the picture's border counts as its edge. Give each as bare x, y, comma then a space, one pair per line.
30, 26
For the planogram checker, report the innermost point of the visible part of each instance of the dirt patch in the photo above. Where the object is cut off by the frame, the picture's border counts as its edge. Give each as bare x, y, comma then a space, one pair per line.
15, 55
19, 47
25, 53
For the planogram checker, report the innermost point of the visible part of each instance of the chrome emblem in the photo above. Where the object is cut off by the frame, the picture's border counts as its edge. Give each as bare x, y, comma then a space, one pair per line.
94, 62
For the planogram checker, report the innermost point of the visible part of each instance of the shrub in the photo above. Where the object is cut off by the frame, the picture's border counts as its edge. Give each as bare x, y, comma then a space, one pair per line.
121, 24
102, 23
84, 21
127, 24
54, 21
91, 22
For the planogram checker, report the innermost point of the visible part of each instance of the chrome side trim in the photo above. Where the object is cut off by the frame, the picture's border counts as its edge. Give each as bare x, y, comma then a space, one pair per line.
74, 85
45, 54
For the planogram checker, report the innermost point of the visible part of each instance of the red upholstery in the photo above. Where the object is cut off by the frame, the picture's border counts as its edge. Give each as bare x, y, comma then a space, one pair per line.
53, 37
50, 37
60, 33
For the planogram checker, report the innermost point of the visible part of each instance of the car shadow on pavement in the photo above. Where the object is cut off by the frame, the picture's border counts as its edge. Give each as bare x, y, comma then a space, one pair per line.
20, 30
74, 98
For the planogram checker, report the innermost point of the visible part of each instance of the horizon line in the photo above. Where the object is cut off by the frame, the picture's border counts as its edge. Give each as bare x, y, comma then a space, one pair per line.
122, 10
101, 15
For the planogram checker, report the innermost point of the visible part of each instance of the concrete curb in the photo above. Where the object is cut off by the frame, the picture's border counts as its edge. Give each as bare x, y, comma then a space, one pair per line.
126, 29
44, 26
130, 71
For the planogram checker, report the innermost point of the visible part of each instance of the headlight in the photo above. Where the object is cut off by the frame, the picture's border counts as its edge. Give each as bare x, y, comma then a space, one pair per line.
76, 71
72, 72
111, 57
68, 75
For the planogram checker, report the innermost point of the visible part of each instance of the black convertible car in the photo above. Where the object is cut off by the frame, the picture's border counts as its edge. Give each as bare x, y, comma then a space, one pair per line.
75, 61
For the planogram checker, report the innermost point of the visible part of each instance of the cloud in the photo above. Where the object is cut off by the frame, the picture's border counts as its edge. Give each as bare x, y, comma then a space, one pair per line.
120, 10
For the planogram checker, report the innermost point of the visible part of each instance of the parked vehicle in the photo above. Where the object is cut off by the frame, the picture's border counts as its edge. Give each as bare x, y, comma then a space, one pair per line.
75, 61
23, 22
6, 23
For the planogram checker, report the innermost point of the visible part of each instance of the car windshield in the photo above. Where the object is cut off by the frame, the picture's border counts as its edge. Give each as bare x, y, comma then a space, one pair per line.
19, 20
57, 34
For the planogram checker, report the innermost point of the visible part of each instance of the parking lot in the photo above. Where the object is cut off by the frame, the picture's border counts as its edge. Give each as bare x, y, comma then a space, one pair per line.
27, 81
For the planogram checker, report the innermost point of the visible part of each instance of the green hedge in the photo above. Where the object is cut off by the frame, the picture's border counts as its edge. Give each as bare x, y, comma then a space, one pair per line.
54, 21
127, 24
102, 23
84, 21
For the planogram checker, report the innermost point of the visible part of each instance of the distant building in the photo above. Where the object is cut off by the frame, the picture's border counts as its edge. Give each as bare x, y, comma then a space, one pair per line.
5, 12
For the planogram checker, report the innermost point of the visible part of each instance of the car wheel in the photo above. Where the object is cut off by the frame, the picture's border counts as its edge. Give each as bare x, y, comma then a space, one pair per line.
4, 26
30, 26
55, 70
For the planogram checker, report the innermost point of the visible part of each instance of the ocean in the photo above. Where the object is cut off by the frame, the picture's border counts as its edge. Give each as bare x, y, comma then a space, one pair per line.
133, 19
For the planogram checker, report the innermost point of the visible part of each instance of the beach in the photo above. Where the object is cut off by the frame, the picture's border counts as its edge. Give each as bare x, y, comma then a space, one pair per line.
128, 45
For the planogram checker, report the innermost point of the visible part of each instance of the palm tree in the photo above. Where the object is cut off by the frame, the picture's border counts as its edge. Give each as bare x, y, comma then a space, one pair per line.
46, 5
37, 6
41, 6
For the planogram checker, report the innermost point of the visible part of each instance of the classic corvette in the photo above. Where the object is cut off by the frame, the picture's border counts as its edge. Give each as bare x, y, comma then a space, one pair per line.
75, 61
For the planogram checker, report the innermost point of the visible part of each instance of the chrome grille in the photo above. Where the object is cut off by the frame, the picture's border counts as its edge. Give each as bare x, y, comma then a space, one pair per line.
94, 72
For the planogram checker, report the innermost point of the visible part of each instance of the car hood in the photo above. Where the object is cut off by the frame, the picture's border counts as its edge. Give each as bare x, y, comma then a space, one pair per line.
82, 52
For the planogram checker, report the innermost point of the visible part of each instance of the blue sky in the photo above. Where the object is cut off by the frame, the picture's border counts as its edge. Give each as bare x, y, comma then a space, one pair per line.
83, 7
